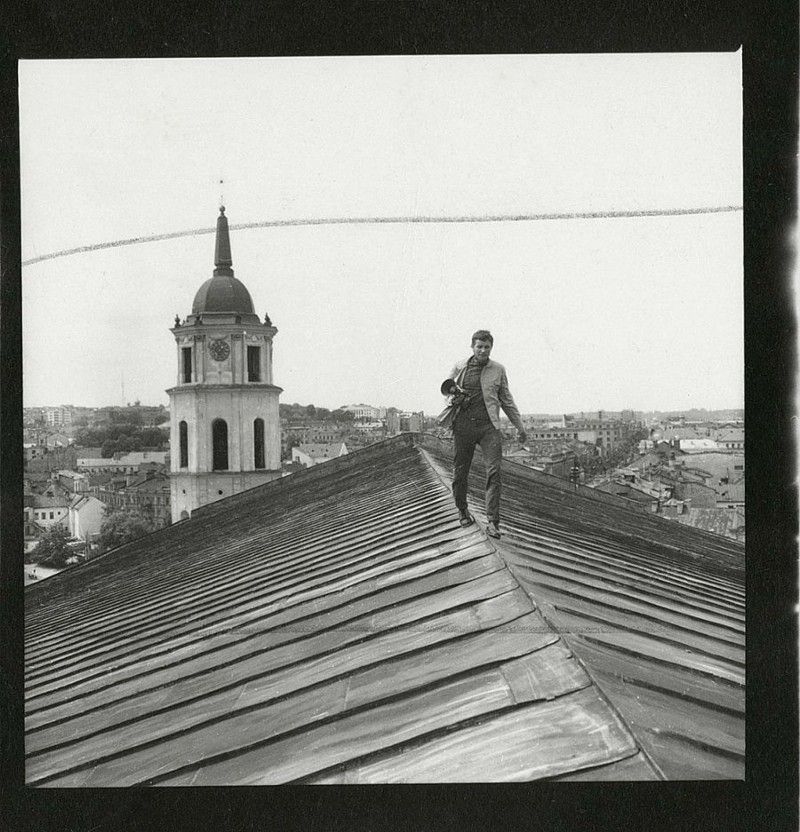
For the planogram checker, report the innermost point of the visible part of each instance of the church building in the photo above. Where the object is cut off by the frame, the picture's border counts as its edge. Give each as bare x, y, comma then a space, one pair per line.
225, 426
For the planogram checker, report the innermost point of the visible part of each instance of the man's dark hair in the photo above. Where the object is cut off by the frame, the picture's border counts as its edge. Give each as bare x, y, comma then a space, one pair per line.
482, 335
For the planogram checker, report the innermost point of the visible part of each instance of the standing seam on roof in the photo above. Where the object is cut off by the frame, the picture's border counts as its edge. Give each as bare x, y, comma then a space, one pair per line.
498, 548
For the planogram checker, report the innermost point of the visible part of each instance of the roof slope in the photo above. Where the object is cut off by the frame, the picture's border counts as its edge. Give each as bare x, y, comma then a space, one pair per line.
43, 501
339, 625
655, 610
723, 521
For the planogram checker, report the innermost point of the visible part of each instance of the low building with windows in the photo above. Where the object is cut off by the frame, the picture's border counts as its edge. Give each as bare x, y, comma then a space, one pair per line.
58, 416
74, 481
128, 463
139, 458
102, 465
731, 439
363, 411
411, 422
41, 513
33, 451
146, 496
556, 434
731, 495
315, 432
47, 511
367, 427
603, 432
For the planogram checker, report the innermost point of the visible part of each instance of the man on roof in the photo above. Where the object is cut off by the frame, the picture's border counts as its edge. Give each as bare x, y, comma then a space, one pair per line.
478, 388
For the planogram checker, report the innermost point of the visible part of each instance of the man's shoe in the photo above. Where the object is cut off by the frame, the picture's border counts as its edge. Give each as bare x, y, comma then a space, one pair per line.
465, 518
492, 530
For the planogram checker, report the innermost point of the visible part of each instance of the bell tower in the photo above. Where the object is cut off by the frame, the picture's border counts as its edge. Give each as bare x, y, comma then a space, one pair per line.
224, 421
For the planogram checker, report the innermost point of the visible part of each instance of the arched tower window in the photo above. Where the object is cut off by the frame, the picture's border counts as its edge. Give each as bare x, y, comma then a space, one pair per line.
253, 363
258, 443
186, 366
219, 441
184, 444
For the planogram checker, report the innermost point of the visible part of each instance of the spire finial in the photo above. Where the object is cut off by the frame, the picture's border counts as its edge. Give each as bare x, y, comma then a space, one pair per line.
222, 249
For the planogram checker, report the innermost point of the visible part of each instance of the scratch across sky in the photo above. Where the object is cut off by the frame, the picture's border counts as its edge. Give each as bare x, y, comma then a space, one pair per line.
578, 215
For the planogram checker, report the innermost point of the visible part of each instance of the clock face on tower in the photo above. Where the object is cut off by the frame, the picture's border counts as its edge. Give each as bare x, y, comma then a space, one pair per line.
219, 349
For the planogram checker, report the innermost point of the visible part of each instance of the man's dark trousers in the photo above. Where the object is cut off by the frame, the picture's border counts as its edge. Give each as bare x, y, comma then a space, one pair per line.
468, 433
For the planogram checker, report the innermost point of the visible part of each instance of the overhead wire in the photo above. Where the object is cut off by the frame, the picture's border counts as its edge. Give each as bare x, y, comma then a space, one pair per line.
573, 215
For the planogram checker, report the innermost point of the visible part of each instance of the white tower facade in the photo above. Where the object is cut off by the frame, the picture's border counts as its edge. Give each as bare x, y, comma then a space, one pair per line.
225, 434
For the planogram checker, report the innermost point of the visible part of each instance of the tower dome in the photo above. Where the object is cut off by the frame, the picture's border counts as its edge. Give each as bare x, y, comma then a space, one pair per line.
222, 294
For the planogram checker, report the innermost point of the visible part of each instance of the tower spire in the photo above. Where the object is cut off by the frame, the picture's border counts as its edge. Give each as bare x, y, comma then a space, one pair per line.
222, 248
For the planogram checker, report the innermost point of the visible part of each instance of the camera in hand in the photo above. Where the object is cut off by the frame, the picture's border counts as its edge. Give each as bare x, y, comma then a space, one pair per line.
458, 395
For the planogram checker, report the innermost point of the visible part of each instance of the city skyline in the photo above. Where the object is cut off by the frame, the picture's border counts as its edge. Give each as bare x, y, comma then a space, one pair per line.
613, 313
541, 414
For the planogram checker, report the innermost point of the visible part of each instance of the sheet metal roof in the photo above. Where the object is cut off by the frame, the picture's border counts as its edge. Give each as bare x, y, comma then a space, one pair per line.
339, 625
730, 435
694, 446
653, 609
724, 521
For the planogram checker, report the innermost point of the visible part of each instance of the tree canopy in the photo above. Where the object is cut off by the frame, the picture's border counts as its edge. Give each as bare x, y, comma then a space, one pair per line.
303, 413
119, 528
52, 548
122, 437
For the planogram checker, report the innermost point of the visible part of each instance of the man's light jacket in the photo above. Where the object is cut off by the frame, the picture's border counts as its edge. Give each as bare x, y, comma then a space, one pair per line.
494, 384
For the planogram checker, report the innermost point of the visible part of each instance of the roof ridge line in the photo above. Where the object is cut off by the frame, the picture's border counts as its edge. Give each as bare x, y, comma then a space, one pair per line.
440, 476
540, 608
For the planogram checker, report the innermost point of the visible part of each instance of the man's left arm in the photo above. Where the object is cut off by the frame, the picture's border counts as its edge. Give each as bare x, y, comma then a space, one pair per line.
509, 406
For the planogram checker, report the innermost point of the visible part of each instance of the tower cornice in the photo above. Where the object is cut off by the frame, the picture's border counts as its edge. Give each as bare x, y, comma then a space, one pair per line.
228, 327
194, 387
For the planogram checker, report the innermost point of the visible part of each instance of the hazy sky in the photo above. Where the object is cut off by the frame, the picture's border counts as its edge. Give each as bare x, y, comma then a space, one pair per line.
590, 313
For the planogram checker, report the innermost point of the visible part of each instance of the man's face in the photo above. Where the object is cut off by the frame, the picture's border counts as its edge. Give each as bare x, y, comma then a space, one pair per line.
481, 350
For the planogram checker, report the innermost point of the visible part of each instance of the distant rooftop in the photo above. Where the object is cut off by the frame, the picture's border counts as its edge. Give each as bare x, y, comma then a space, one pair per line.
320, 449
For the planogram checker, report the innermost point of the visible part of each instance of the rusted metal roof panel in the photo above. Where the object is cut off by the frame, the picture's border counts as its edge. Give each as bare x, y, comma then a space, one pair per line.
335, 624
